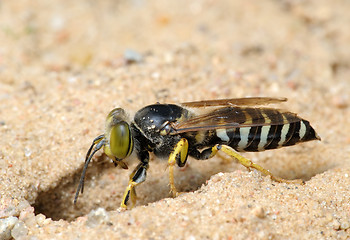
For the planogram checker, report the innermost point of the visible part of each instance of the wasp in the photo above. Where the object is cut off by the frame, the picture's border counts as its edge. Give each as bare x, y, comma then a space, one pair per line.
198, 129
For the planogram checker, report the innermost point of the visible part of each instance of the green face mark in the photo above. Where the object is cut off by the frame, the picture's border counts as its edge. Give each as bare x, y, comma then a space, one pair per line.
120, 140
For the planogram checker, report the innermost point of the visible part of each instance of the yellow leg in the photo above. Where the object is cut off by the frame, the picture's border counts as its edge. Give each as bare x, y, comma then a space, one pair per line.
129, 194
249, 164
179, 156
137, 176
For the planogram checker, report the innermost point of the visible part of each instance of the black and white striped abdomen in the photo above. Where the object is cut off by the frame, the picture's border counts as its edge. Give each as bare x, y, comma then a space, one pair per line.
260, 138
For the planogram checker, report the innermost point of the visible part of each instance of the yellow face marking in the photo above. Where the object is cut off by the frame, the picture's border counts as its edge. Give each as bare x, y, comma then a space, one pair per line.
107, 151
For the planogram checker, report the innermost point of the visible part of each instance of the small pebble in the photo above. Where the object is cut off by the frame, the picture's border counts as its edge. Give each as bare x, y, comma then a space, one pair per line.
19, 231
217, 177
40, 219
341, 101
344, 225
335, 225
258, 211
23, 205
191, 237
131, 56
155, 75
7, 212
6, 225
27, 152
97, 217
27, 213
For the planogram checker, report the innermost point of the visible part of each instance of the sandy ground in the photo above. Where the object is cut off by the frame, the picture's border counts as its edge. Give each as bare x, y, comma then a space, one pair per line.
65, 65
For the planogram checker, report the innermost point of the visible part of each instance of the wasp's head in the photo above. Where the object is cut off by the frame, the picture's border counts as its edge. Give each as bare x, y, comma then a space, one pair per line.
119, 143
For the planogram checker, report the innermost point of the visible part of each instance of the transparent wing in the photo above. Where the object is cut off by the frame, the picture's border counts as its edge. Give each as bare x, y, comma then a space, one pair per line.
250, 101
234, 117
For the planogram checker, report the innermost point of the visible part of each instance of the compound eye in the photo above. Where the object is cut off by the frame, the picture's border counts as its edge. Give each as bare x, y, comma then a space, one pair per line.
120, 140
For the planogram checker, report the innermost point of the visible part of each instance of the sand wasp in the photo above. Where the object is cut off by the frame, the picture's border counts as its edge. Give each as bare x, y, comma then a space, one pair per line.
197, 129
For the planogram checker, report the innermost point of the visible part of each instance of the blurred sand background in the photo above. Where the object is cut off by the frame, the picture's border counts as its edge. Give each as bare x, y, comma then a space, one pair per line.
65, 64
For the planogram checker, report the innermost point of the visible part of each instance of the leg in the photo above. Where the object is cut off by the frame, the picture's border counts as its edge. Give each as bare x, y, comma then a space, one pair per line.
249, 164
205, 154
136, 177
179, 156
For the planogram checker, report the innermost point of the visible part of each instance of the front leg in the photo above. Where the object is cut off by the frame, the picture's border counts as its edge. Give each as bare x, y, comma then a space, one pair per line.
136, 177
179, 156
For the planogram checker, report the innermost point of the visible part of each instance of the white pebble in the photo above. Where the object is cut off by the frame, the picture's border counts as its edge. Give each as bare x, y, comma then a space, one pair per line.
344, 225
97, 217
27, 152
6, 225
23, 205
19, 231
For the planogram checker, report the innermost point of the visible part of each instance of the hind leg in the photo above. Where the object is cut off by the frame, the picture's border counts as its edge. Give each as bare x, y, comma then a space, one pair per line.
249, 164
210, 152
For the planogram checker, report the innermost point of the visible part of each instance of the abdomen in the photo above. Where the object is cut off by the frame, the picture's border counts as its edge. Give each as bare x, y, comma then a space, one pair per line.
260, 138
254, 139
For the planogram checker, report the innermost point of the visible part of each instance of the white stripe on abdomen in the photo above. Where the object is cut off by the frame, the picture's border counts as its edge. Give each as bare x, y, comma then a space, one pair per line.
284, 133
244, 134
263, 137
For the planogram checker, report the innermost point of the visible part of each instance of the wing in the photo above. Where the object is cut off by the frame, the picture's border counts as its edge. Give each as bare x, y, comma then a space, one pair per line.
235, 117
234, 102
